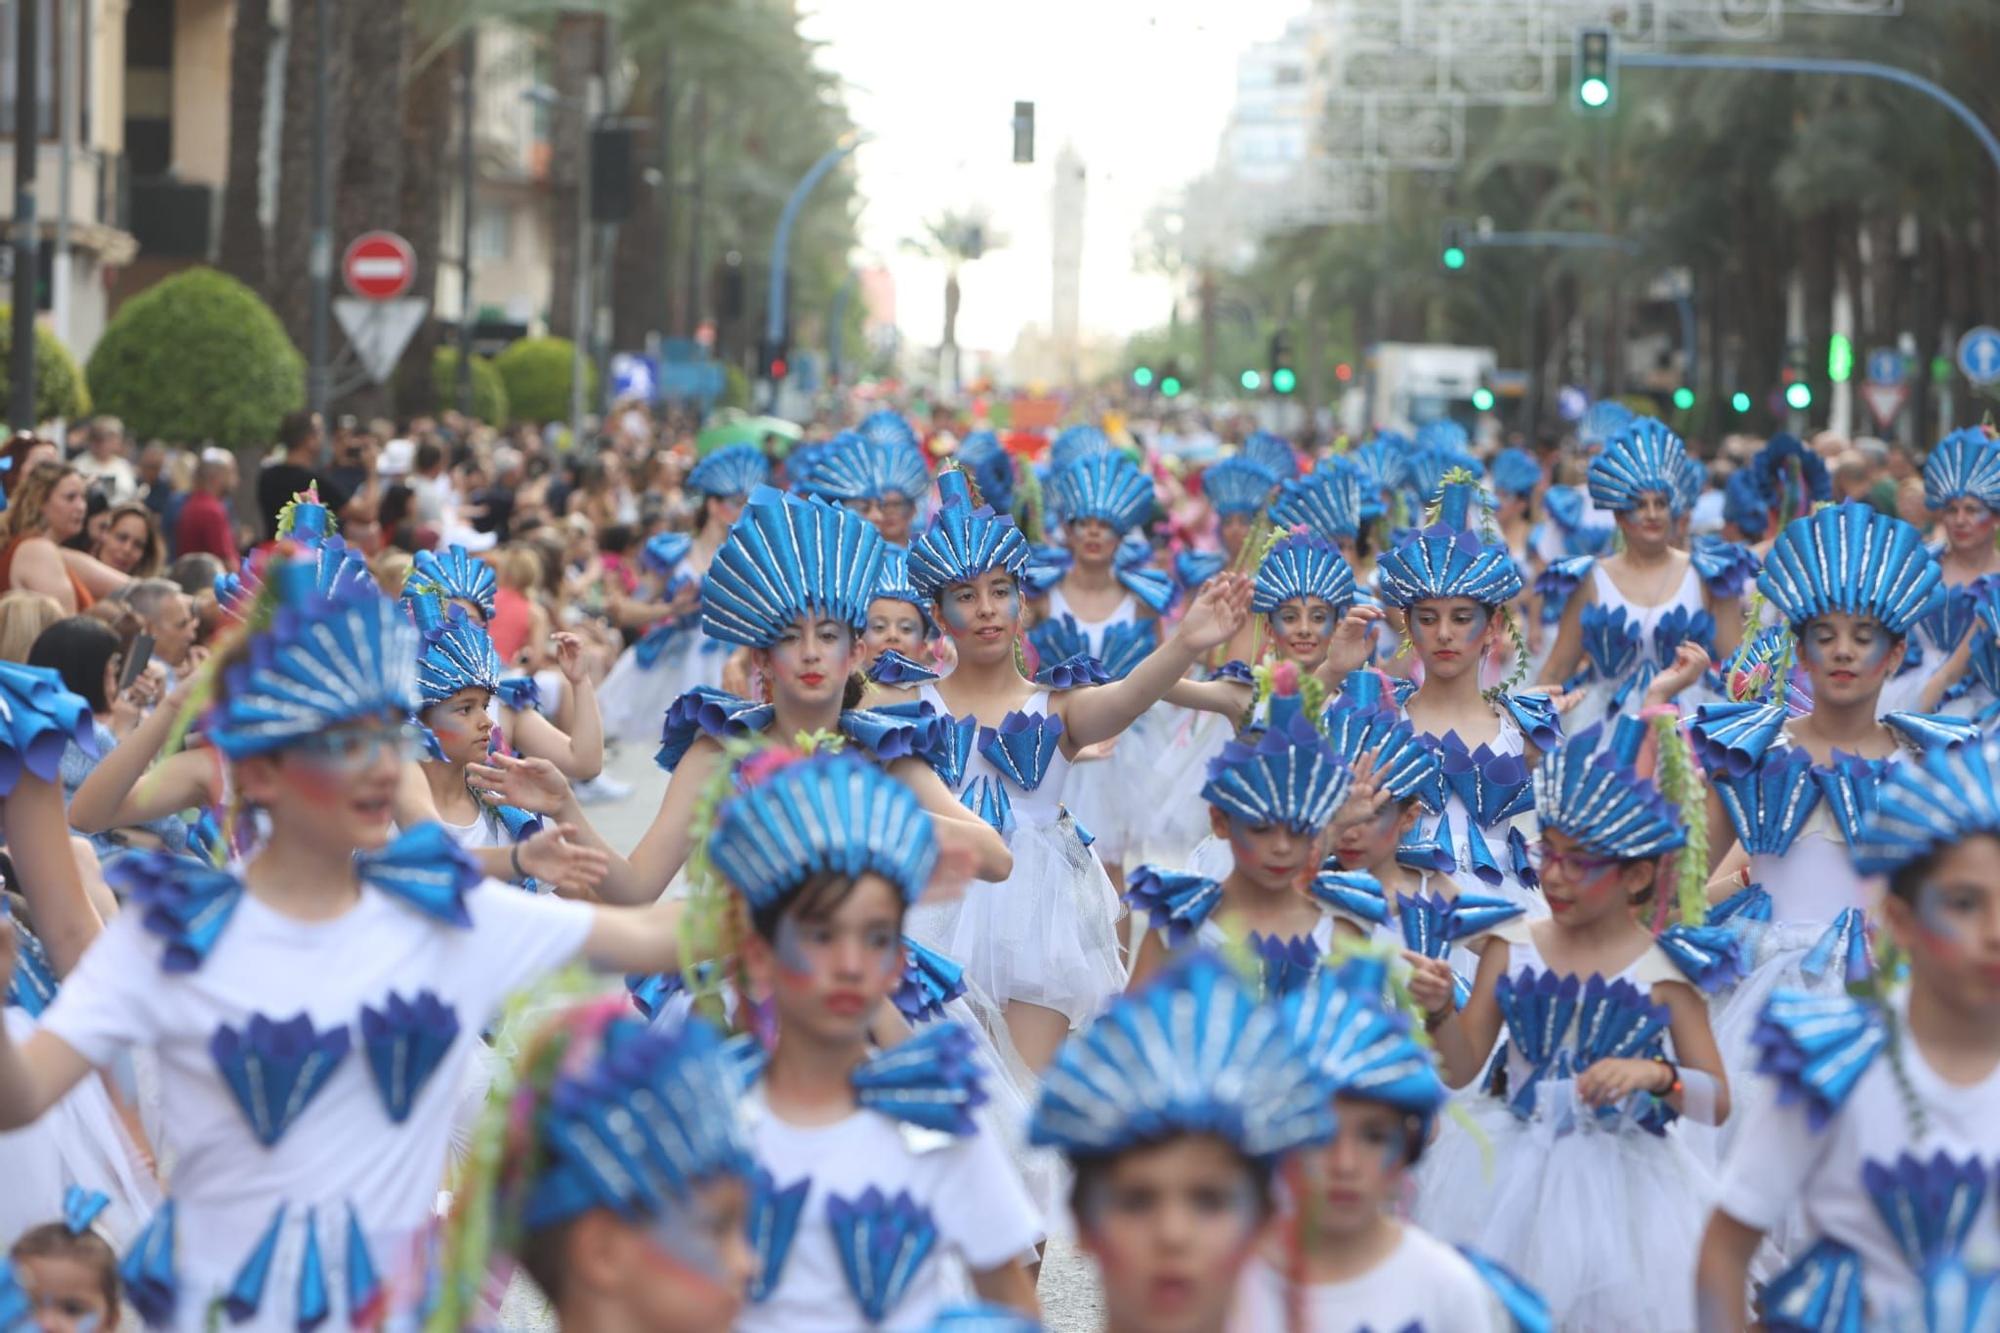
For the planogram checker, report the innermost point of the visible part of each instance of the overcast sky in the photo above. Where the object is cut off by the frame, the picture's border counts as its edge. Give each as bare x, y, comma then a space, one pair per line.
1142, 88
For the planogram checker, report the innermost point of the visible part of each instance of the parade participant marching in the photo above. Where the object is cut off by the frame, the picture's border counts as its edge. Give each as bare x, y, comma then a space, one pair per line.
1177, 1108
1962, 484
899, 622
614, 1167
1342, 1258
1237, 489
1043, 943
1453, 586
1634, 609
314, 1018
1886, 1119
861, 1155
675, 656
1580, 1185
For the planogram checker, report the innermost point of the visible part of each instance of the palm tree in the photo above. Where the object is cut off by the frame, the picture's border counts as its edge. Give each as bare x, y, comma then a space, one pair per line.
954, 238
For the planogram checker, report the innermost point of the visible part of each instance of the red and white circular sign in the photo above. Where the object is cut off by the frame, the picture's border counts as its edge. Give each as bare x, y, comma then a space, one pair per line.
379, 266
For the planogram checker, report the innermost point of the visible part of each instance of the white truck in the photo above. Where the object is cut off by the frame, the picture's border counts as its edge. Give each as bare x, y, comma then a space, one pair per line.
1405, 385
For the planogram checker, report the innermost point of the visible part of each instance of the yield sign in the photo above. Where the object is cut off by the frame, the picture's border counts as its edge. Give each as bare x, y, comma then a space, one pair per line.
380, 330
1885, 401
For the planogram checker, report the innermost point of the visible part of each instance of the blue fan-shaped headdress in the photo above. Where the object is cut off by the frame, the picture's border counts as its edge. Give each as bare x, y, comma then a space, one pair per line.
459, 575
1448, 559
963, 542
1965, 463
1791, 477
828, 814
1274, 453
1364, 721
895, 580
1853, 558
641, 1128
786, 557
1745, 505
1644, 457
456, 654
1366, 1048
837, 469
1289, 776
1237, 485
1194, 1052
1590, 788
1429, 467
1074, 442
321, 662
1443, 434
1302, 565
992, 468
734, 469
1515, 472
1326, 501
1925, 803
1384, 463
1107, 486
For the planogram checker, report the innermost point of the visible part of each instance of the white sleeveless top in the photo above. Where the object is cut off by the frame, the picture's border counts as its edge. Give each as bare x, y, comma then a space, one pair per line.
1648, 618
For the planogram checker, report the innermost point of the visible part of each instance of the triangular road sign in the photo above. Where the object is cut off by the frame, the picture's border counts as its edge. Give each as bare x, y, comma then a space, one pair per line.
380, 330
1885, 402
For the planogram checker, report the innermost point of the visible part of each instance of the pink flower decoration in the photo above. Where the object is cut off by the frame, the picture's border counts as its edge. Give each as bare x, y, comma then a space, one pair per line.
1285, 678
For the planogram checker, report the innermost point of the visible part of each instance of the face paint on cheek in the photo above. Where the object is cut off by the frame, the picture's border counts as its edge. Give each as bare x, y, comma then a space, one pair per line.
684, 1239
314, 783
958, 615
1934, 921
790, 951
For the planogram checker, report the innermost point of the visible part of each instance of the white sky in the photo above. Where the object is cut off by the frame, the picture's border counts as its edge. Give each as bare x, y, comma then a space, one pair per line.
1142, 88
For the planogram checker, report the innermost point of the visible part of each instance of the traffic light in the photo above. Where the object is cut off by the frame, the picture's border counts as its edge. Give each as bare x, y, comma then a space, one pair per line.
1284, 378
1798, 389
1740, 401
1250, 380
1595, 71
774, 359
1451, 249
1798, 395
1840, 358
1171, 386
1482, 399
1684, 399
1142, 376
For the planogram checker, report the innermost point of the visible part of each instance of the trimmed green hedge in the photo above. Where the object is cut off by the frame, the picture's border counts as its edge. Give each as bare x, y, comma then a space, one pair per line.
536, 373
59, 387
198, 357
489, 391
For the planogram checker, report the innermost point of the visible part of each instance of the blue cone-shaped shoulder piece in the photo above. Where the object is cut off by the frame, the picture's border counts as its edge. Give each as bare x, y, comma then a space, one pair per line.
933, 1080
1928, 802
1713, 957
1174, 901
459, 575
889, 732
183, 901
992, 468
930, 982
1964, 464
1022, 747
1929, 1205
964, 541
826, 814
1194, 1052
1073, 673
405, 1041
883, 1243
1298, 567
1853, 558
1849, 784
1047, 566
1363, 721
773, 1224
708, 711
1059, 638
1730, 739
1724, 568
664, 551
1338, 1015
892, 668
1127, 644
786, 558
1558, 581
1447, 559
1108, 487
1771, 804
734, 469
1590, 790
1820, 1293
1817, 1047
39, 718
1354, 894
1290, 776
1325, 502
1238, 485
274, 1068
1642, 458
1194, 568
954, 748
424, 868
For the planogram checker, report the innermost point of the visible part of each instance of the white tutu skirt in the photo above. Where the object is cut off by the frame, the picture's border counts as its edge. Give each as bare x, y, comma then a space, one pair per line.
1113, 797
1046, 935
633, 699
1605, 1222
1177, 818
79, 1141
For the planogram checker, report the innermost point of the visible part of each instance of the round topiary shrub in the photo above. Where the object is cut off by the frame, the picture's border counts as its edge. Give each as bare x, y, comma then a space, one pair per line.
489, 391
536, 373
59, 387
198, 357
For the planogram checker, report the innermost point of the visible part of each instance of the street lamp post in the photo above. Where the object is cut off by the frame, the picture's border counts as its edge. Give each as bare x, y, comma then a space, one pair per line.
593, 94
781, 244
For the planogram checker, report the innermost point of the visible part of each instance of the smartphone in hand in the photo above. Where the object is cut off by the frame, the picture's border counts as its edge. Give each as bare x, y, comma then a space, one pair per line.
136, 658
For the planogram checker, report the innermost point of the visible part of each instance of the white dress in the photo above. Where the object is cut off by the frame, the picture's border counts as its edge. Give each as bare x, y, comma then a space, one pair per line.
1600, 1211
668, 660
1047, 934
1624, 690
1111, 797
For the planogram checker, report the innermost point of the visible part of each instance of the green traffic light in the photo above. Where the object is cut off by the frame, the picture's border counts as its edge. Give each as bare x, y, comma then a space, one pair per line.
1594, 92
1170, 386
1454, 257
1684, 398
1143, 377
1251, 380
1840, 358
1482, 399
1798, 395
1284, 379
1740, 401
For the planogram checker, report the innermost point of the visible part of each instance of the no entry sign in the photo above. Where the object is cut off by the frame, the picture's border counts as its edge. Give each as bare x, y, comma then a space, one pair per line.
379, 266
